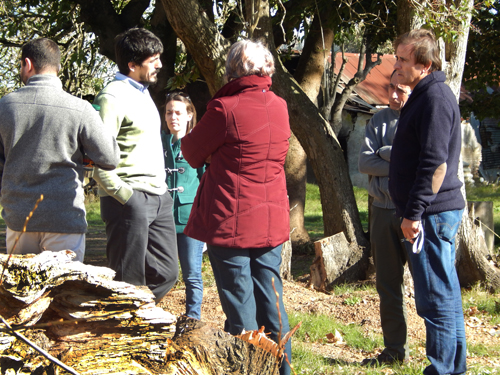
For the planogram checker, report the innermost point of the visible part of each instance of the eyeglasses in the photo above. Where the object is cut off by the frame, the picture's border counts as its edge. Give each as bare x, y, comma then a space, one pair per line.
177, 93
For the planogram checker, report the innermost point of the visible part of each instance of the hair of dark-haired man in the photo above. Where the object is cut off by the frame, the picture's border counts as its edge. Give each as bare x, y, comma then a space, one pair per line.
43, 53
135, 45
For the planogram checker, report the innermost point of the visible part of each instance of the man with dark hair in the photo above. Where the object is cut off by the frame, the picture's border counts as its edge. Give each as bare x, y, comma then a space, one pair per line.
135, 204
44, 133
389, 254
424, 186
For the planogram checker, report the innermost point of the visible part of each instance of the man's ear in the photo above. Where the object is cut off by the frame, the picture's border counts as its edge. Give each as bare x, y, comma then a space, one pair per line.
132, 66
428, 67
28, 64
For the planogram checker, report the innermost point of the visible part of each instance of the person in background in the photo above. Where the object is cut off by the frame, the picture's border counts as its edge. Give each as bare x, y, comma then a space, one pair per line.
183, 182
44, 135
426, 190
241, 210
389, 253
135, 205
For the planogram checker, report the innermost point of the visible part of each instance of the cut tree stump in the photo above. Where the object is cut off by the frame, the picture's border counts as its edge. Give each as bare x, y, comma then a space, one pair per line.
79, 315
337, 261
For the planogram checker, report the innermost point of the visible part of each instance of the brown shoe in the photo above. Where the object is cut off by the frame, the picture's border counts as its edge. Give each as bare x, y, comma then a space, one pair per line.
382, 359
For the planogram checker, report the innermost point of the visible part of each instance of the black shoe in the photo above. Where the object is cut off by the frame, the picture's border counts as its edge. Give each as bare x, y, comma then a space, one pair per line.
382, 359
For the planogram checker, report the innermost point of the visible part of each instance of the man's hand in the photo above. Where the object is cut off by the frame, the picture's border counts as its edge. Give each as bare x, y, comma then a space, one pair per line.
410, 229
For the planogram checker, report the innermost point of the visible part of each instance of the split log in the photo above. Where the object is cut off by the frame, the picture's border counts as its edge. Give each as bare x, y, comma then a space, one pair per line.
79, 315
337, 261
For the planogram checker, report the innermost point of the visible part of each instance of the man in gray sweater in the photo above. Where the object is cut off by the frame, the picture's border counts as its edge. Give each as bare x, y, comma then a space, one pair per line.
44, 134
388, 251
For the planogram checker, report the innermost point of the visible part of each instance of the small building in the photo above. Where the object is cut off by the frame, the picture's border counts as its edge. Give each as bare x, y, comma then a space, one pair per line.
369, 97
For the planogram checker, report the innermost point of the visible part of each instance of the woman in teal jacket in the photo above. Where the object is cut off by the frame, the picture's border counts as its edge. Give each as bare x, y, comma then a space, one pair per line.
183, 181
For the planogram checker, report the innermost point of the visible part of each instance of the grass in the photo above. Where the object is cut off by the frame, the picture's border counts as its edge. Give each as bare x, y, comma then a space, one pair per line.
313, 215
477, 301
93, 211
314, 327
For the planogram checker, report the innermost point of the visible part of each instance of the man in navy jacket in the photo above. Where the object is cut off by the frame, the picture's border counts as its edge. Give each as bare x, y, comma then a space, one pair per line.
426, 191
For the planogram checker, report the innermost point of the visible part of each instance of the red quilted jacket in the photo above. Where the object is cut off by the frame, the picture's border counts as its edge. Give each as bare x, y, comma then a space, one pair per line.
242, 200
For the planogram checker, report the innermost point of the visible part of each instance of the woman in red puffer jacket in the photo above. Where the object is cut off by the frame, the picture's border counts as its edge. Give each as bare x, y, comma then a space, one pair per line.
241, 209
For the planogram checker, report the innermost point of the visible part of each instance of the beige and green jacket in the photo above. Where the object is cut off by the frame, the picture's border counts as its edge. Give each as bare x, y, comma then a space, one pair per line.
133, 117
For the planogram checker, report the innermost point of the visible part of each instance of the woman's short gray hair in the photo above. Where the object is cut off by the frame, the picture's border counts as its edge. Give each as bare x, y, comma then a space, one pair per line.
247, 58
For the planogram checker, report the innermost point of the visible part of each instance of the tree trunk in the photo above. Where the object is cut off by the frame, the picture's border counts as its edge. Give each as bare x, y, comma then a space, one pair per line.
473, 264
101, 16
201, 38
308, 74
296, 179
75, 316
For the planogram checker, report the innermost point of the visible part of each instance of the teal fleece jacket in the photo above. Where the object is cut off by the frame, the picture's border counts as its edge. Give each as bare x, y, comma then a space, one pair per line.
180, 174
133, 118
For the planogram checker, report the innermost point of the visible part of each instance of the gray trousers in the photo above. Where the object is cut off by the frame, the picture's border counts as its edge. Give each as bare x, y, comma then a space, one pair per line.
389, 255
142, 241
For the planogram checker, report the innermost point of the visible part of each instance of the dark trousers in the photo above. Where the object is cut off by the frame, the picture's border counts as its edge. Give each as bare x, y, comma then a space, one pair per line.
244, 282
389, 256
142, 241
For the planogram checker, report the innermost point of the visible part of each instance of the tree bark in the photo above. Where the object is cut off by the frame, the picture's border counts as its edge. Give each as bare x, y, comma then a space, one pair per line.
198, 346
101, 16
296, 179
308, 74
201, 38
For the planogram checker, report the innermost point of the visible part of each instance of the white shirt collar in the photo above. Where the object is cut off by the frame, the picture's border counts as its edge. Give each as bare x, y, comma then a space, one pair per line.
139, 86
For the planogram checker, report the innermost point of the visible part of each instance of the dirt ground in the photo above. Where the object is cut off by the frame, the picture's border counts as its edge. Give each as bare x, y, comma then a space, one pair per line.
298, 297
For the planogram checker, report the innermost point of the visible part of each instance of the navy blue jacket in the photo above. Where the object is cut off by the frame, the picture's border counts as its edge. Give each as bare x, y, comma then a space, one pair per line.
428, 136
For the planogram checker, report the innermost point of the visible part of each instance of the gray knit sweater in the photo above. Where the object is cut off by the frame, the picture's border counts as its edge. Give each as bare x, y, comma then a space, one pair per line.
44, 133
375, 155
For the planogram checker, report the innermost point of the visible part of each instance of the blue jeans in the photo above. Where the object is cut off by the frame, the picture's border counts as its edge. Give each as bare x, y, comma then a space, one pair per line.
437, 293
244, 282
190, 257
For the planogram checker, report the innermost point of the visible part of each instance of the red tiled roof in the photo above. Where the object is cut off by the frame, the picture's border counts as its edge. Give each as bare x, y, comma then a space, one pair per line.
373, 89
